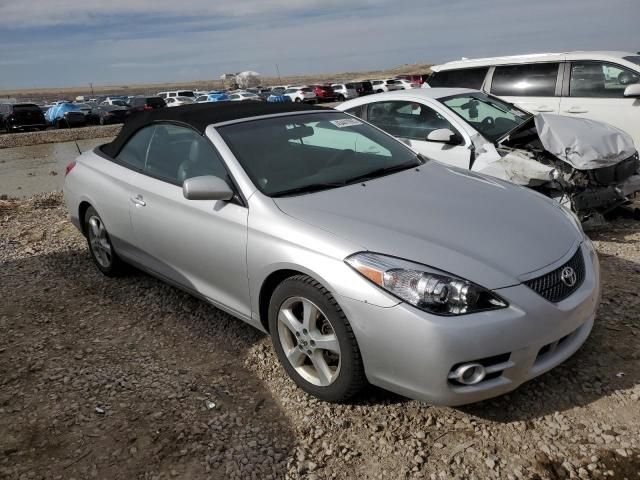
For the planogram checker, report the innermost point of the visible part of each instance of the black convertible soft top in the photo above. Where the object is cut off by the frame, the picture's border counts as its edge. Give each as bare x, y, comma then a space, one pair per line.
201, 115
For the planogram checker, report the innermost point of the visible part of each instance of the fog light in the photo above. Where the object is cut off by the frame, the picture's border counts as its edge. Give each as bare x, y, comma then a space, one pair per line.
468, 374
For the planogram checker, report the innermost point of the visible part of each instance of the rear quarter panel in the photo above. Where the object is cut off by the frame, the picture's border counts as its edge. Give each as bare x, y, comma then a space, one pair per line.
106, 186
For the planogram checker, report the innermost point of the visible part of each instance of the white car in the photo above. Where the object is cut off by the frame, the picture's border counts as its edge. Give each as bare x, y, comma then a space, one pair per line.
585, 165
406, 84
388, 85
602, 86
176, 93
344, 91
244, 97
177, 101
117, 101
301, 94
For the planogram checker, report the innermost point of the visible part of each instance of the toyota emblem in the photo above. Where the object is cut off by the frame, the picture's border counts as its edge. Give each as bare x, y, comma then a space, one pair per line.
568, 276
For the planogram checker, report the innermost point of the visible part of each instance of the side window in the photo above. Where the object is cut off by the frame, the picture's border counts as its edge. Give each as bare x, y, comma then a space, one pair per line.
406, 119
177, 153
134, 153
527, 80
463, 78
598, 79
357, 111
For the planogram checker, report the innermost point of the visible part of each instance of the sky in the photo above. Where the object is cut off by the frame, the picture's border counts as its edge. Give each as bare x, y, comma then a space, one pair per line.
57, 43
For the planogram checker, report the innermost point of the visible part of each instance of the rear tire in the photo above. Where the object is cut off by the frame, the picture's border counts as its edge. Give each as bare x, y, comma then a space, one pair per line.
314, 340
100, 247
298, 100
341, 98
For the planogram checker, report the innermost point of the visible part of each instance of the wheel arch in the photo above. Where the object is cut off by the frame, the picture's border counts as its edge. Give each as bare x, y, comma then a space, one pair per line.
82, 210
271, 282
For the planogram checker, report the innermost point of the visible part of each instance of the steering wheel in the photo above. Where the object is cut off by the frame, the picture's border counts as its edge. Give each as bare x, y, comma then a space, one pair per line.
340, 157
487, 122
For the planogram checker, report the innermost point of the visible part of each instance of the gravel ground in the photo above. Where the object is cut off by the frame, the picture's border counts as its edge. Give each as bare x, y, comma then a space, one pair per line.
25, 139
129, 378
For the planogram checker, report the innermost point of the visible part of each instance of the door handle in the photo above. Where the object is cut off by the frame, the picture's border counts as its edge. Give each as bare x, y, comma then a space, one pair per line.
577, 110
543, 108
138, 201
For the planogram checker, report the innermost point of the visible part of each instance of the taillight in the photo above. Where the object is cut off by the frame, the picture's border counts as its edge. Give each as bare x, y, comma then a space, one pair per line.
69, 167
146, 108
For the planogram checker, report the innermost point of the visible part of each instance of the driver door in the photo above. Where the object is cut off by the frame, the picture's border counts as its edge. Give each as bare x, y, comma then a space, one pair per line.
412, 122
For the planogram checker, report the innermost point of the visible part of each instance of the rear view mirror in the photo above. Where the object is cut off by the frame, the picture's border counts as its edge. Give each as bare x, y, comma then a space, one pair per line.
207, 187
632, 90
443, 135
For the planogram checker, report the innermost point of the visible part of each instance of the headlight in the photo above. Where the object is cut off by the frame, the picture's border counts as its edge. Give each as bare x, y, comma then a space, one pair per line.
424, 287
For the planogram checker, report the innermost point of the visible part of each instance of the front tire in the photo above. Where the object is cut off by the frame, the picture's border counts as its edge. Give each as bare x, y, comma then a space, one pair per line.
100, 247
298, 100
314, 340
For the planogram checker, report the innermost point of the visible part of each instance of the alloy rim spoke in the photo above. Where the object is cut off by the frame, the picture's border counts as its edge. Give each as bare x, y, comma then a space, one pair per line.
327, 342
296, 357
322, 369
309, 314
287, 318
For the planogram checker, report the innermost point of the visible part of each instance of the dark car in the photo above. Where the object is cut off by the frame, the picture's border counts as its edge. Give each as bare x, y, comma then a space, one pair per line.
264, 93
109, 114
363, 88
21, 116
90, 113
144, 104
324, 93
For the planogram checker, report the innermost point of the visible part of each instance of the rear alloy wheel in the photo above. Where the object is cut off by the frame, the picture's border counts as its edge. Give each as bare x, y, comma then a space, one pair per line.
314, 341
100, 247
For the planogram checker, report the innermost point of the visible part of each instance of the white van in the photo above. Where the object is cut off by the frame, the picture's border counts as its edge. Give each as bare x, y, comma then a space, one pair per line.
602, 86
176, 93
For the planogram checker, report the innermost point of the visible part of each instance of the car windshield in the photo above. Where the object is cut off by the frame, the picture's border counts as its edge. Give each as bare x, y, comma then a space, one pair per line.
633, 59
26, 108
491, 117
120, 103
186, 93
309, 152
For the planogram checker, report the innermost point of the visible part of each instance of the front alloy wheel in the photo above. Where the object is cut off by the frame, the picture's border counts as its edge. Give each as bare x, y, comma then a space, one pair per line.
308, 341
314, 340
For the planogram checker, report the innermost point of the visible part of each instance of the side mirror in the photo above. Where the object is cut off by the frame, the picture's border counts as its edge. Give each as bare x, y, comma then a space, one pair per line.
632, 90
207, 187
443, 135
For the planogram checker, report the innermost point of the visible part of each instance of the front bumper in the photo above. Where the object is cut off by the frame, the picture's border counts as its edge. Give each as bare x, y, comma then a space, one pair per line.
411, 352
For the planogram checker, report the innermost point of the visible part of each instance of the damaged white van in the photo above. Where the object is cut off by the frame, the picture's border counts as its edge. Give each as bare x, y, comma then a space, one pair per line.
588, 166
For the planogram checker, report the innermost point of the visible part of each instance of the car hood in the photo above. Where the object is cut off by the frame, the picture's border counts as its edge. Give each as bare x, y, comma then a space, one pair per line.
471, 225
584, 144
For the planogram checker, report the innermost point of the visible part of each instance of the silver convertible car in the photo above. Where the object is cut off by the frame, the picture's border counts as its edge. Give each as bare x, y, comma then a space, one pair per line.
364, 261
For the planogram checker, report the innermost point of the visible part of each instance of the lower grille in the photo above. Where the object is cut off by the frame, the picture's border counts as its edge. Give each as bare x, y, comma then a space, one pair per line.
553, 287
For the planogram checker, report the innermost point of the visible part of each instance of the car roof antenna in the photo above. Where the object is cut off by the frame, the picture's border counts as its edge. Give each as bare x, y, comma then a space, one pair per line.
78, 147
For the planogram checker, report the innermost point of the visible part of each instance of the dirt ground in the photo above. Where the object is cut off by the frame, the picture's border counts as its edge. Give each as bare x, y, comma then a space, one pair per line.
129, 378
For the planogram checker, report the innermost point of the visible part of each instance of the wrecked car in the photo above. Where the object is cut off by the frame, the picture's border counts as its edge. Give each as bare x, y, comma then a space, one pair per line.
588, 166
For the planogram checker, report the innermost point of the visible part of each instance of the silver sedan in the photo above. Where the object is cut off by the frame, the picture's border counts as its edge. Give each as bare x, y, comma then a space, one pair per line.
364, 261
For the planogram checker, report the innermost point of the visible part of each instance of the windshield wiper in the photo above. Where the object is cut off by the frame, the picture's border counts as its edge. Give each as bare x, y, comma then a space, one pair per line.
379, 172
313, 187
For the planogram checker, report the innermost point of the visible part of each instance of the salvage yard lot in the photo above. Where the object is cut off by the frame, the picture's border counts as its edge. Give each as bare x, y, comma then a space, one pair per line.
117, 378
